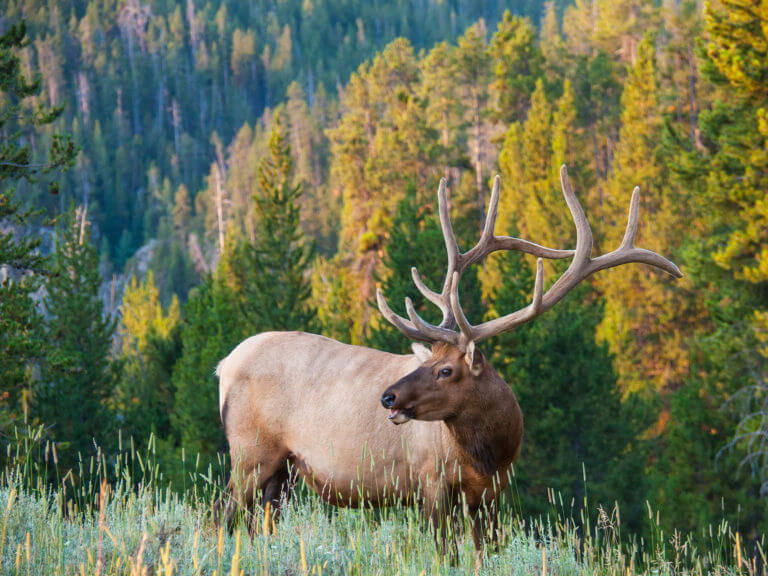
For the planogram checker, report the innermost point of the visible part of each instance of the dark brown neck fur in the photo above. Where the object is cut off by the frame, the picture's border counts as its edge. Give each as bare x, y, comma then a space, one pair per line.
489, 435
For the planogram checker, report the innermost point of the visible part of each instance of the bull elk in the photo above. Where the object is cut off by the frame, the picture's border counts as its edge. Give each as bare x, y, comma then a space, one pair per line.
297, 403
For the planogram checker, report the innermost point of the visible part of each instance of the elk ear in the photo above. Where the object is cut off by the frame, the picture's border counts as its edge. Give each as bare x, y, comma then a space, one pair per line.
423, 353
474, 359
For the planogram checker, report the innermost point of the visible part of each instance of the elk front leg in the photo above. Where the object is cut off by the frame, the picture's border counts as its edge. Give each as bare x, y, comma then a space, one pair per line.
485, 526
439, 513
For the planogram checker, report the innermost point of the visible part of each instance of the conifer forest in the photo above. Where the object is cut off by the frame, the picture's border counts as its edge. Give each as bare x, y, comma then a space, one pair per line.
178, 176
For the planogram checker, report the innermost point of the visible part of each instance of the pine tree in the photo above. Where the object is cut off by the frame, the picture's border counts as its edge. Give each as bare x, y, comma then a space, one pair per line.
212, 327
644, 319
334, 298
77, 380
529, 165
721, 411
574, 418
738, 129
273, 279
148, 349
565, 142
21, 263
517, 66
694, 480
437, 90
416, 239
472, 59
554, 52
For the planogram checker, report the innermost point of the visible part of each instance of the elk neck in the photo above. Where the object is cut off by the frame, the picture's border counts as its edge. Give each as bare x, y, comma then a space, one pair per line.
488, 434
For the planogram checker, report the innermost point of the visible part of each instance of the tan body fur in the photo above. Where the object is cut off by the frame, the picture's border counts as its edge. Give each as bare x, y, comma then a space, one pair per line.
307, 400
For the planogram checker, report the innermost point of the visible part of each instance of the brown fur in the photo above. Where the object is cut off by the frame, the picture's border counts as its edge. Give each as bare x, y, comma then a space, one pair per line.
311, 404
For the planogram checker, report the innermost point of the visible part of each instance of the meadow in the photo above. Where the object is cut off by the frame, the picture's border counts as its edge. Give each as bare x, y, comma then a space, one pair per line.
118, 514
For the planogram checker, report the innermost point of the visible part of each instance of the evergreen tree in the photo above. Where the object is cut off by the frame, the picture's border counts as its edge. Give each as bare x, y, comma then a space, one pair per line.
21, 263
77, 380
472, 71
334, 298
442, 110
565, 140
554, 52
574, 418
711, 458
530, 162
273, 279
517, 66
737, 130
416, 239
212, 327
643, 317
694, 480
149, 345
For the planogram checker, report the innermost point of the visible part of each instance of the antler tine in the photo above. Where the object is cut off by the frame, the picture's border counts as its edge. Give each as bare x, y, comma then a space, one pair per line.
634, 214
464, 326
487, 242
451, 246
434, 332
583, 230
405, 326
493, 210
431, 295
538, 288
627, 252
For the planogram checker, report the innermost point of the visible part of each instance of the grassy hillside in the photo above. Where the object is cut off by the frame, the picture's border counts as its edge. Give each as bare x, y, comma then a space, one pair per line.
118, 515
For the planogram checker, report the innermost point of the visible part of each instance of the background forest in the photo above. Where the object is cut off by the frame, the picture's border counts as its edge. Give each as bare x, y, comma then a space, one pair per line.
177, 176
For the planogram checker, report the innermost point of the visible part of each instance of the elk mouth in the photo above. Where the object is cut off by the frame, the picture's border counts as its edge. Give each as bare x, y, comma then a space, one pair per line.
400, 416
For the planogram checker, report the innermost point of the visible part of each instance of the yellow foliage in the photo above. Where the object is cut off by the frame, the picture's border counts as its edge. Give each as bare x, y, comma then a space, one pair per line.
142, 314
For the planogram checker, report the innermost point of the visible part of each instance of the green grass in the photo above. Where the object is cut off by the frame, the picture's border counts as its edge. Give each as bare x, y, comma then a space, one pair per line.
119, 516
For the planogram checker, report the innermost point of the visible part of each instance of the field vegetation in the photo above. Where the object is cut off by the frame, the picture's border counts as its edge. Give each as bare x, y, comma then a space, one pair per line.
118, 514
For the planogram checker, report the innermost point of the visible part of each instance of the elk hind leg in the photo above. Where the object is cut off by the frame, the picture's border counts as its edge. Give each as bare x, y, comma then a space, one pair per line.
252, 483
225, 509
276, 492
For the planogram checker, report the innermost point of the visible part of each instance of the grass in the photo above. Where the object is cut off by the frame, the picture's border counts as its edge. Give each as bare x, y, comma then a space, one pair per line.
119, 516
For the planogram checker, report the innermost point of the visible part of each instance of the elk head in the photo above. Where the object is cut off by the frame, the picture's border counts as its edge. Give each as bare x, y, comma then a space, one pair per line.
455, 371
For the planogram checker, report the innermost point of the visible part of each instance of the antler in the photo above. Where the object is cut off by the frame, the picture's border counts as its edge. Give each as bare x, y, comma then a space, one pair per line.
582, 266
417, 328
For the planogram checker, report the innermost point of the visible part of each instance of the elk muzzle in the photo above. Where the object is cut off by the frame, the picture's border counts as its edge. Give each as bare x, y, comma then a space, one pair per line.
398, 399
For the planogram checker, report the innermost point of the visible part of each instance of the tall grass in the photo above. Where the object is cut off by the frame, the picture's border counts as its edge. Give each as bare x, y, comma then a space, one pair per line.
118, 515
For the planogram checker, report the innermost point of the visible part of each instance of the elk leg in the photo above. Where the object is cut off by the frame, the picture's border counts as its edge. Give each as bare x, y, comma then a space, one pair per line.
238, 494
485, 526
224, 509
275, 488
249, 484
439, 513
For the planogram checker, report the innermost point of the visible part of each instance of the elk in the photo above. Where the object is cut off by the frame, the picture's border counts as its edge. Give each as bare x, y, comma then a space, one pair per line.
300, 404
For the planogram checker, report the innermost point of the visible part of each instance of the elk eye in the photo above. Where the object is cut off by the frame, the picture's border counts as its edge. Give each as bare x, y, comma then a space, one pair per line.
445, 372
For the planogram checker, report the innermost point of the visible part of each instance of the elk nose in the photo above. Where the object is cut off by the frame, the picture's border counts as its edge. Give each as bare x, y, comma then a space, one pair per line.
387, 399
